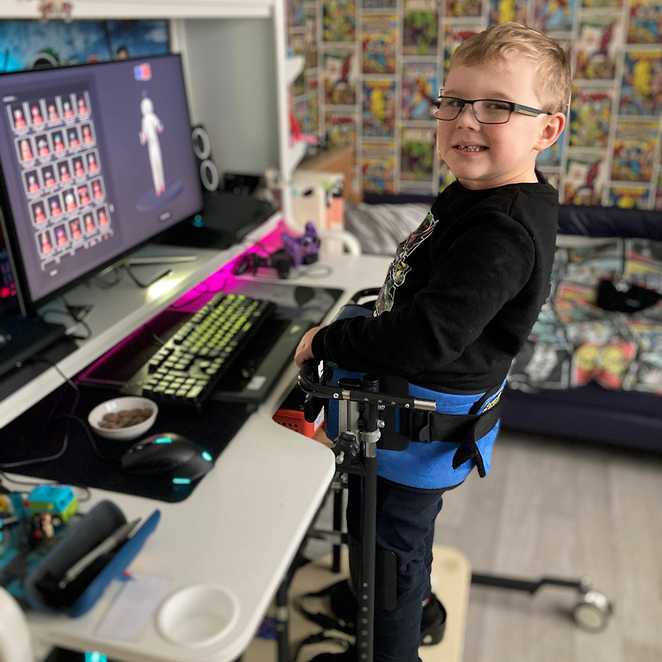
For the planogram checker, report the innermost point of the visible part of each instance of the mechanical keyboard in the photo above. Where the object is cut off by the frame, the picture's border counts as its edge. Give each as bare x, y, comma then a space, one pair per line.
188, 366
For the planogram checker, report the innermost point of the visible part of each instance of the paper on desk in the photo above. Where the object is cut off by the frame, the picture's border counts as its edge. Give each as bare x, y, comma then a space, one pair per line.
134, 605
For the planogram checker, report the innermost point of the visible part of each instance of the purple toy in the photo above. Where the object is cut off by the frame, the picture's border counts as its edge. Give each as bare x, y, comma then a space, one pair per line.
304, 249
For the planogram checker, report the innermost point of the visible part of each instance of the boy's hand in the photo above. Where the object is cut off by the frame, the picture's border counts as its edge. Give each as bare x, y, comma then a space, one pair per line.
304, 350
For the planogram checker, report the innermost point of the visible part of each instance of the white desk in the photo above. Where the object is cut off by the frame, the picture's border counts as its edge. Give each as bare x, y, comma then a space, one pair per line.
122, 309
241, 526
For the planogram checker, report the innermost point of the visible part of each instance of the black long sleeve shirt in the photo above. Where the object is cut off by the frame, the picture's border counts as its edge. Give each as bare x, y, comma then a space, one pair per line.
462, 293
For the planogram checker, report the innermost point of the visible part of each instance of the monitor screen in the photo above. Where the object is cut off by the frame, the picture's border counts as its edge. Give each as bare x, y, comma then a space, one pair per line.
96, 159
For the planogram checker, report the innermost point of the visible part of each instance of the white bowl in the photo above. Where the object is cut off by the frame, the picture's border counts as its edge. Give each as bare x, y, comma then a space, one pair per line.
120, 404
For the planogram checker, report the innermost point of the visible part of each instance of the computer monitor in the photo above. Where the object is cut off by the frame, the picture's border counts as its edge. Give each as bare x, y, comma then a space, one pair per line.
7, 280
96, 160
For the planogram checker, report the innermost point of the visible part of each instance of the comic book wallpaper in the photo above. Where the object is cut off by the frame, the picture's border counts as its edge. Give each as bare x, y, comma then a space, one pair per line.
28, 44
373, 67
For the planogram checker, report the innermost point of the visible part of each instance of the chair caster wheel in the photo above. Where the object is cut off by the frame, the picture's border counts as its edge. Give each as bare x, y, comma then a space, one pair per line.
593, 611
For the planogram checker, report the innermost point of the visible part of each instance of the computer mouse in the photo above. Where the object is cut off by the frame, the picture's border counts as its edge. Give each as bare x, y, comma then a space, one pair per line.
168, 454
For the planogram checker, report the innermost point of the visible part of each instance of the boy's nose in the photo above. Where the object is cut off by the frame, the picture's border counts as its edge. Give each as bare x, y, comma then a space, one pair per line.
467, 116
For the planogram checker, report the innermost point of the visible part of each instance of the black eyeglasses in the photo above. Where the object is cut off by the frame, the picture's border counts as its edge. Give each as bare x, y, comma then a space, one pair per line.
486, 111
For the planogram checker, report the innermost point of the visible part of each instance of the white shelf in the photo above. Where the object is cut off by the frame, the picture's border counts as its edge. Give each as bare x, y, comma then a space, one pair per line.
129, 9
295, 153
293, 67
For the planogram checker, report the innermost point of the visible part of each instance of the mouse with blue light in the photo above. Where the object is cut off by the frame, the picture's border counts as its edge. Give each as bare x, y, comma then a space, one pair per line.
168, 454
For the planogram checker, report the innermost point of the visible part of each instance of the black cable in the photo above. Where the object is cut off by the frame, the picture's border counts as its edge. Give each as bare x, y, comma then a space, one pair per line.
39, 460
69, 416
90, 438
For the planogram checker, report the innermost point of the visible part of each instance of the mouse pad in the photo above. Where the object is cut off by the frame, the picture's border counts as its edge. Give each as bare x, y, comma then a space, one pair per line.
30, 436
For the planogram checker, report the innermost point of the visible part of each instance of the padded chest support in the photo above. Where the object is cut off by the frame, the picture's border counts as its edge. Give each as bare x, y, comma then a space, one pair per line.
427, 427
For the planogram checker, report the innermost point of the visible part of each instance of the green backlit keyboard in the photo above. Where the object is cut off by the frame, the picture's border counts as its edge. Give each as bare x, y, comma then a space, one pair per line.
188, 366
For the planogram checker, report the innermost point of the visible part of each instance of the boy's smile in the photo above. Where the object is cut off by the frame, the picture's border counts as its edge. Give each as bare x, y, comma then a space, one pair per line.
488, 155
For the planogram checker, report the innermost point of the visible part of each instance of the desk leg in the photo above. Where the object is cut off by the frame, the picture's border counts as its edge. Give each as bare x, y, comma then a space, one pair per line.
283, 620
282, 607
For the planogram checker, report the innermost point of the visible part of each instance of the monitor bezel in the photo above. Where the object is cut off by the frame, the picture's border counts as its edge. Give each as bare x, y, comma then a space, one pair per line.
28, 305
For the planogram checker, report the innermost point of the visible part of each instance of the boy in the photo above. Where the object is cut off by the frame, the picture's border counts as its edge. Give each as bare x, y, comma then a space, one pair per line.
461, 295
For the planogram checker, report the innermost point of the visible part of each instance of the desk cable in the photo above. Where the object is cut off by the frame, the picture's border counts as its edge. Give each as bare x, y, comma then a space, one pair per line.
70, 416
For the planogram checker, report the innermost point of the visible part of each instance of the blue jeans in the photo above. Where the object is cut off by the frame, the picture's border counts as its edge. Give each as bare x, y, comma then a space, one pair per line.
405, 527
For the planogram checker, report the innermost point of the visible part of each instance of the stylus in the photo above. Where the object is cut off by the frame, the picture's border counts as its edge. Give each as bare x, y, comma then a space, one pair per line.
102, 548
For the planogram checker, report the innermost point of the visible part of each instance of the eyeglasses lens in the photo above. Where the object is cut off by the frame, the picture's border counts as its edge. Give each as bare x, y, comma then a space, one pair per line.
485, 110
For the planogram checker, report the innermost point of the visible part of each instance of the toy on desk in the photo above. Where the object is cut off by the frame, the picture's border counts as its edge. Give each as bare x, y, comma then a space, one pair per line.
297, 250
58, 500
44, 527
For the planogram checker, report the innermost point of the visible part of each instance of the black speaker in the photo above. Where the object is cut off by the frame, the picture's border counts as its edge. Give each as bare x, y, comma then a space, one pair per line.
207, 169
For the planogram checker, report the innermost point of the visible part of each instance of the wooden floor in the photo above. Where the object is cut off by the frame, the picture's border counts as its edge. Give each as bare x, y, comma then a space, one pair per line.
572, 509
561, 508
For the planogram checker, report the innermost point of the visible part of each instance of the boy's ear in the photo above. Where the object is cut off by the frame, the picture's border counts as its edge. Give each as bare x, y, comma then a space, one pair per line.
551, 130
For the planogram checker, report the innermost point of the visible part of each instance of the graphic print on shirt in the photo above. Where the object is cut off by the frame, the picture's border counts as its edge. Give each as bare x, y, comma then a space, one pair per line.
397, 272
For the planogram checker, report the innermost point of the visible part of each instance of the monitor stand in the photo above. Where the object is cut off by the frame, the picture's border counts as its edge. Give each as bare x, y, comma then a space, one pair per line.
139, 261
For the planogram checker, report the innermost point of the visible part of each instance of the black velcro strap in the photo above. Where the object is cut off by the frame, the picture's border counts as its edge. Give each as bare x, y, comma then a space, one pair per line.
426, 427
469, 451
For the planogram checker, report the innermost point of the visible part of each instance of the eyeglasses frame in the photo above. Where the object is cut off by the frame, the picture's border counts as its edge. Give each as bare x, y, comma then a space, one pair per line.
514, 108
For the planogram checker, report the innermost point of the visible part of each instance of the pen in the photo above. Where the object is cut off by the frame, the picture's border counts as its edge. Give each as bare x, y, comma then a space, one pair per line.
102, 548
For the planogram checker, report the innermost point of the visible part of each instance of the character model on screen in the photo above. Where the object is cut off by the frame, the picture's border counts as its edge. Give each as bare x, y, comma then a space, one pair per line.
64, 172
55, 207
82, 107
53, 113
68, 112
88, 139
149, 135
79, 168
49, 177
102, 217
90, 227
37, 118
58, 142
70, 201
27, 153
38, 213
92, 164
32, 183
61, 239
45, 243
19, 120
75, 230
72, 137
97, 189
83, 196
42, 146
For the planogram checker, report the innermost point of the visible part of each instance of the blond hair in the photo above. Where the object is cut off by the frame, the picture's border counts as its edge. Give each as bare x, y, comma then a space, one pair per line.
505, 39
